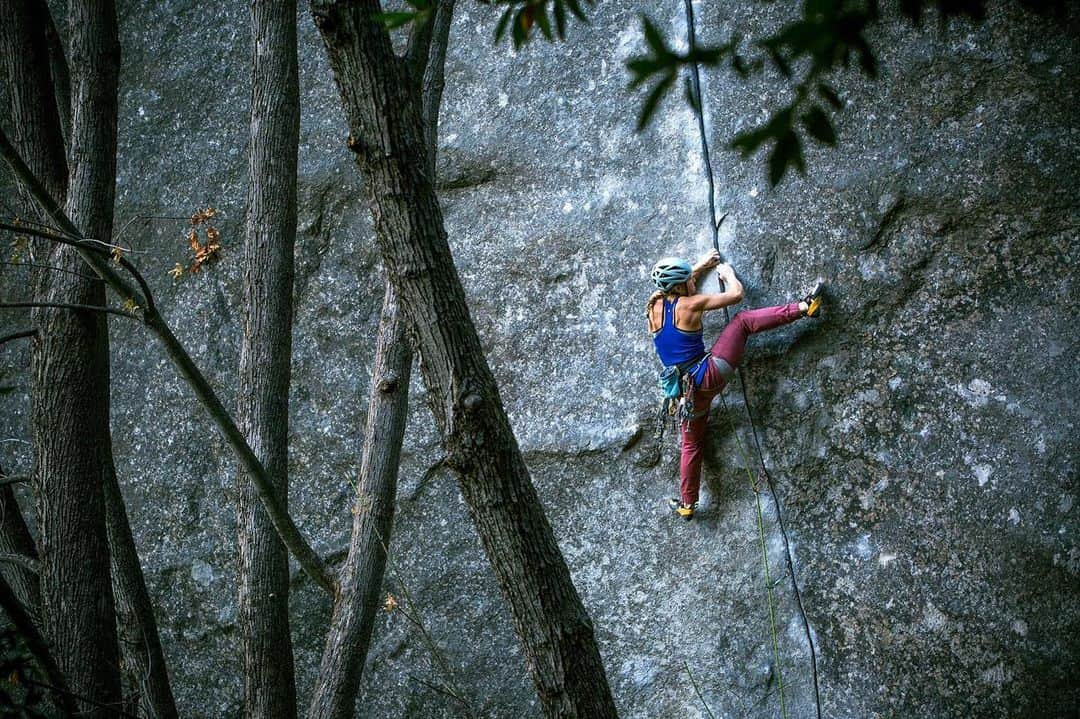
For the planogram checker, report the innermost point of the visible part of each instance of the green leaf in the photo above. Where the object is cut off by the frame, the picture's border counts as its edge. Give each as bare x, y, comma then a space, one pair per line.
392, 20
576, 11
7, 389
519, 34
504, 22
830, 96
541, 17
653, 100
560, 18
817, 124
420, 5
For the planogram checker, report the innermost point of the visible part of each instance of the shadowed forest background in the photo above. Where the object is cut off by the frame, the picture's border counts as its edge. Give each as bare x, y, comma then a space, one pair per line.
309, 361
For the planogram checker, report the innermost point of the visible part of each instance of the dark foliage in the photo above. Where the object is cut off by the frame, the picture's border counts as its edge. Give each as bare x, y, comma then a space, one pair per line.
20, 685
827, 38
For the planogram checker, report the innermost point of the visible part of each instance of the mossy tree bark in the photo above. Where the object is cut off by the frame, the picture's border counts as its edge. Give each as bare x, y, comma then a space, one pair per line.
382, 106
266, 358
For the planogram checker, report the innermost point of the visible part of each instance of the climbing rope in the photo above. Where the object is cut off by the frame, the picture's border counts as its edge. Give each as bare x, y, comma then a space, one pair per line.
698, 106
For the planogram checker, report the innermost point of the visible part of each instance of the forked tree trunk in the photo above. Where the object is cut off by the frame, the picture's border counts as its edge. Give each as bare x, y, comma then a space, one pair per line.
34, 55
265, 358
382, 108
70, 406
358, 601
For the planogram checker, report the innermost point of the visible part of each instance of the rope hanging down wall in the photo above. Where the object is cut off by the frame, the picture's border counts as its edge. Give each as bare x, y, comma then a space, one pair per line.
714, 224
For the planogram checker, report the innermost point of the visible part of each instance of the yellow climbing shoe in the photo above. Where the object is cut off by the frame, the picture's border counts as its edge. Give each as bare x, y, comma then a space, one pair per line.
686, 511
814, 301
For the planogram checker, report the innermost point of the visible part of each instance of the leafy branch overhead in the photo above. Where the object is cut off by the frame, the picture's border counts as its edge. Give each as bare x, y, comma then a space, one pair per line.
826, 39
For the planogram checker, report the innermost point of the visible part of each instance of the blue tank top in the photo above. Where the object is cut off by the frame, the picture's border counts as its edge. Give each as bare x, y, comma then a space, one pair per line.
676, 346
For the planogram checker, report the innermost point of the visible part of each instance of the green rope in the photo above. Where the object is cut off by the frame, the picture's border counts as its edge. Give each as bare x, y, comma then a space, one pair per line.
764, 560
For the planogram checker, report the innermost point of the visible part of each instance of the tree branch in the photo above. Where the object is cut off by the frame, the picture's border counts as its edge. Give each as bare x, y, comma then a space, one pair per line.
416, 52
21, 560
17, 336
69, 306
58, 66
52, 268
312, 564
434, 81
14, 479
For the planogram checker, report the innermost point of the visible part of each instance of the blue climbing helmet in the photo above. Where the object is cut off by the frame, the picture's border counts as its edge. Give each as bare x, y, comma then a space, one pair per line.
670, 272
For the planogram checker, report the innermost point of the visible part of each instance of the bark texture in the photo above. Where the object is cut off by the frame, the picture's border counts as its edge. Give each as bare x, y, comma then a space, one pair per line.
142, 661
384, 116
265, 358
15, 539
35, 120
70, 407
358, 600
39, 648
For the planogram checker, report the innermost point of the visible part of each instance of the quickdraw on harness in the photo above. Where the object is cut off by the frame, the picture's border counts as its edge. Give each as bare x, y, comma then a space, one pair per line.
677, 385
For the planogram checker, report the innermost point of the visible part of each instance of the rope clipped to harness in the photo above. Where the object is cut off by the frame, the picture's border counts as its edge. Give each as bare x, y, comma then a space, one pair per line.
677, 386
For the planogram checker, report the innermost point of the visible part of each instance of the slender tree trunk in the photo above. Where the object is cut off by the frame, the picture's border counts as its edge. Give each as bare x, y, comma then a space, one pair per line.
358, 602
373, 515
384, 117
265, 358
70, 408
58, 66
142, 661
35, 120
15, 539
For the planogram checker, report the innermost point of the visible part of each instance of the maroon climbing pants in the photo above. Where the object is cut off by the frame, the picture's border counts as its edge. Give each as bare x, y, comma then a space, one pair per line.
728, 349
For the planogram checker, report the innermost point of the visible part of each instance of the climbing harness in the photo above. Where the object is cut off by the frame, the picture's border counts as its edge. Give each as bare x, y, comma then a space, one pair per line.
698, 106
677, 387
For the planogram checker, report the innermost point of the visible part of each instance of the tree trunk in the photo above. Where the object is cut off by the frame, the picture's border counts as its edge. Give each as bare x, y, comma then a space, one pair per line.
265, 358
39, 648
70, 407
35, 120
142, 661
387, 136
358, 602
15, 539
373, 514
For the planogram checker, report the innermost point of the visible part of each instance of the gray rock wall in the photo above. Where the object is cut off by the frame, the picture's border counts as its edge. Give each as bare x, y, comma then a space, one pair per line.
922, 438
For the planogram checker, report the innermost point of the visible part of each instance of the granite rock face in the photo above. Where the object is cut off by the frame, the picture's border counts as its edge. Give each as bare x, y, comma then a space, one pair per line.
922, 438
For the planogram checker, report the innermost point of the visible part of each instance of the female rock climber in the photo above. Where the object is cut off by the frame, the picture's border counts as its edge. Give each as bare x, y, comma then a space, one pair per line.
675, 324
